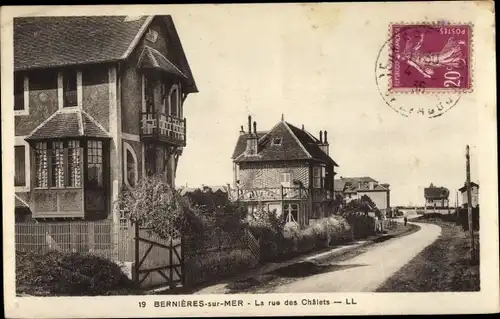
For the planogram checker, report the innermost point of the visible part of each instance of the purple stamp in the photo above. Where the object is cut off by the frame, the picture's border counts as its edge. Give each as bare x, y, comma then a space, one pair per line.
430, 57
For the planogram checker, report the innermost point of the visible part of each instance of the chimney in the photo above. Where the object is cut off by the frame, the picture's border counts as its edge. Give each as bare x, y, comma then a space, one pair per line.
302, 127
325, 147
252, 139
242, 130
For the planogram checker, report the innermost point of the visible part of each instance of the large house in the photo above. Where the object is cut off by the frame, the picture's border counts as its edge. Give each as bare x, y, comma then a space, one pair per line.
474, 195
285, 169
355, 187
436, 197
98, 103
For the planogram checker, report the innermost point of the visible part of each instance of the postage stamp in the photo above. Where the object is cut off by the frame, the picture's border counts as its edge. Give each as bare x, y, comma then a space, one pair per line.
425, 64
432, 57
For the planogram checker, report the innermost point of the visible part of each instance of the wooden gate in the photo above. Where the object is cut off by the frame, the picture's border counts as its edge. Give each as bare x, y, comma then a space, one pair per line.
158, 261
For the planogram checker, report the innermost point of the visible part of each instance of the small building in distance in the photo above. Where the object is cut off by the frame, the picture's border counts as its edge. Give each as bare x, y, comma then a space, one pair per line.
436, 197
474, 193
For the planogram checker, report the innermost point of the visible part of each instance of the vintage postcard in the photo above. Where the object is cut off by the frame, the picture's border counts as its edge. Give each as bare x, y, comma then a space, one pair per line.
248, 160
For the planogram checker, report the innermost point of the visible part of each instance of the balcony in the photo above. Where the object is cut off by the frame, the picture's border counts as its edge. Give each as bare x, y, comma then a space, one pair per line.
278, 194
162, 127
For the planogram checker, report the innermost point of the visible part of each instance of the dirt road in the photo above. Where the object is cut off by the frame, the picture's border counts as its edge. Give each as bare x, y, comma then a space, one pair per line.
367, 271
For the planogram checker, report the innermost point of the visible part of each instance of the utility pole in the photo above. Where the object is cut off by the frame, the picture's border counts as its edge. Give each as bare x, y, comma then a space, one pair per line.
469, 206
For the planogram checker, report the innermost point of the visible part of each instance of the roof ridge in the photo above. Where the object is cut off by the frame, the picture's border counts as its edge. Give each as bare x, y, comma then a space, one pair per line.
42, 124
138, 37
297, 139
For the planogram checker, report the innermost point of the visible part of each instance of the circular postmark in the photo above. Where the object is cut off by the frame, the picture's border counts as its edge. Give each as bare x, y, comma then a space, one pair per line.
423, 69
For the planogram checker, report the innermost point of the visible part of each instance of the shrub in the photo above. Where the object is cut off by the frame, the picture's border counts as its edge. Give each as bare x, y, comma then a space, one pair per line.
212, 265
68, 274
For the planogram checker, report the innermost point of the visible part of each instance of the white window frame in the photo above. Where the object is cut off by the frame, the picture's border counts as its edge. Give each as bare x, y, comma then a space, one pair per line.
284, 182
19, 141
60, 90
26, 99
173, 88
129, 148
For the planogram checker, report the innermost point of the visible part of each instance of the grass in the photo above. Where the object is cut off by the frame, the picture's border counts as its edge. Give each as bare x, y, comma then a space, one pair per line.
443, 266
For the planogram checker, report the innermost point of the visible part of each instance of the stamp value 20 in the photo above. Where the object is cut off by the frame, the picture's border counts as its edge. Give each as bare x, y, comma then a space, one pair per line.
430, 58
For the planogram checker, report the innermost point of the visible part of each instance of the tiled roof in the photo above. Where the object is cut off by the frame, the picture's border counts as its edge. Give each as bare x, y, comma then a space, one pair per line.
355, 184
241, 144
464, 188
19, 202
311, 145
68, 123
46, 42
41, 42
296, 144
436, 193
152, 58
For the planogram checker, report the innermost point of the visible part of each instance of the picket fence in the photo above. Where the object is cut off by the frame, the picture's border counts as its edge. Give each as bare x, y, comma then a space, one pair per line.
85, 237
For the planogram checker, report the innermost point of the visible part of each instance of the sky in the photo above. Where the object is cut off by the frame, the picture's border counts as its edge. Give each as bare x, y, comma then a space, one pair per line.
318, 72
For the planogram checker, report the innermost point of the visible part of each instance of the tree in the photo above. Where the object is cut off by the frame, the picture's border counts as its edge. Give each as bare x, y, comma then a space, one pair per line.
154, 205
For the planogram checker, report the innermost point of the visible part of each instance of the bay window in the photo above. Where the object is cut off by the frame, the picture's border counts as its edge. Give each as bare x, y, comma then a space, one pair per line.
319, 174
58, 164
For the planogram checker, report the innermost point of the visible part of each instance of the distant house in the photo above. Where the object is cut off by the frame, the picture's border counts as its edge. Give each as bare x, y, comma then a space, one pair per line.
474, 193
286, 169
436, 197
356, 187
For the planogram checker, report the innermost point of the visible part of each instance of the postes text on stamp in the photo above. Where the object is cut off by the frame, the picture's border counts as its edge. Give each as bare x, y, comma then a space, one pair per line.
430, 57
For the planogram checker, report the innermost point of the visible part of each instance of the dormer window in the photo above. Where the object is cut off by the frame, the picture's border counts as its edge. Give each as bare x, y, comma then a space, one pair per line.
276, 141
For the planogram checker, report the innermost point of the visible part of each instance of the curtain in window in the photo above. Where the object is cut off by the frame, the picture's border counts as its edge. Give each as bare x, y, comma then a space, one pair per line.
41, 165
74, 164
57, 164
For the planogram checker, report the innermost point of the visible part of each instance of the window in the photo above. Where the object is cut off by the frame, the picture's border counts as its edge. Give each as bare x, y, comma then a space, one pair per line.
19, 93
291, 212
95, 174
174, 101
74, 164
41, 165
319, 173
163, 98
276, 141
58, 164
130, 159
70, 88
285, 179
57, 178
20, 168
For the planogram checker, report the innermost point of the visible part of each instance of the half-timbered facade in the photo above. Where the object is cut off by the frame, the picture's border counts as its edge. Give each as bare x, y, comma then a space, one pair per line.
98, 103
285, 169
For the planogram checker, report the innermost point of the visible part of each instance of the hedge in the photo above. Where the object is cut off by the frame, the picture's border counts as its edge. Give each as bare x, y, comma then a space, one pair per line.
57, 273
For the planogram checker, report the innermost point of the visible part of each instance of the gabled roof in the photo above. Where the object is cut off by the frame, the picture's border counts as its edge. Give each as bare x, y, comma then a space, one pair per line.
296, 144
356, 180
152, 58
339, 185
464, 188
69, 123
46, 42
436, 192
